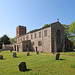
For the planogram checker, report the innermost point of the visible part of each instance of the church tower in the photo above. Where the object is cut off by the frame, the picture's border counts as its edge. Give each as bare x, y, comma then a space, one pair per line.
20, 30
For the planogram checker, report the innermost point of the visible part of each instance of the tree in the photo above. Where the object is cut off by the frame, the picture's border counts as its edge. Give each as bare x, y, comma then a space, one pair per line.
72, 31
67, 33
72, 28
45, 25
74, 45
0, 44
4, 39
13, 40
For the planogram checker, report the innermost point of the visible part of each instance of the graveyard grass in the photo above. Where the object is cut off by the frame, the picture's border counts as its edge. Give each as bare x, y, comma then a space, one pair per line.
38, 64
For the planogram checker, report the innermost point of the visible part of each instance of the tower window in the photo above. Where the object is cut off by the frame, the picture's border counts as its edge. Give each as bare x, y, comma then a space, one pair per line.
17, 32
22, 32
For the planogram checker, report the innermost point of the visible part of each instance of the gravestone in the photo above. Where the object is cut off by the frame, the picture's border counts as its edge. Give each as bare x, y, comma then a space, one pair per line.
14, 54
1, 56
53, 53
28, 53
37, 52
0, 50
22, 66
10, 50
57, 56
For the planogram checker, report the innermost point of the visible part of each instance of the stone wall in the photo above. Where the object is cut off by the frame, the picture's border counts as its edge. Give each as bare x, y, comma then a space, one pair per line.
68, 45
26, 45
54, 28
45, 47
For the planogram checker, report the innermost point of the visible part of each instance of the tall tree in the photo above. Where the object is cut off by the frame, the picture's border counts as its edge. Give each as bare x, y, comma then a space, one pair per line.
72, 31
72, 28
67, 33
4, 39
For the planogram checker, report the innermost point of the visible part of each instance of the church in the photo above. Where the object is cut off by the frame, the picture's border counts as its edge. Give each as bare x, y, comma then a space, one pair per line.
50, 38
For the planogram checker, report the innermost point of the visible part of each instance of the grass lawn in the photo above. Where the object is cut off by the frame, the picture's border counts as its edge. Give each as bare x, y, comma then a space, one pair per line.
41, 64
68, 53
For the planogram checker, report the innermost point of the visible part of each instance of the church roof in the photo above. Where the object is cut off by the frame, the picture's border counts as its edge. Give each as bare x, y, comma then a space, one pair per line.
43, 27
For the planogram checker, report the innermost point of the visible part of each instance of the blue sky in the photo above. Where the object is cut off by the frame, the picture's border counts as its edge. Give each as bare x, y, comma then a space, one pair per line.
34, 14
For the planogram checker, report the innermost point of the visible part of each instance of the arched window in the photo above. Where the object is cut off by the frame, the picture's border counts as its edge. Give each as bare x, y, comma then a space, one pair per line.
58, 36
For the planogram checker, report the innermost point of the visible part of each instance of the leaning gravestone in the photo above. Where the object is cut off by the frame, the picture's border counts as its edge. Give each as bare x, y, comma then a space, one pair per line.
14, 54
37, 52
57, 56
1, 56
28, 53
22, 66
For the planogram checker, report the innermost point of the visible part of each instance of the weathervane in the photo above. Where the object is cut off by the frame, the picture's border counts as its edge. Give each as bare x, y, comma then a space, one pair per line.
57, 20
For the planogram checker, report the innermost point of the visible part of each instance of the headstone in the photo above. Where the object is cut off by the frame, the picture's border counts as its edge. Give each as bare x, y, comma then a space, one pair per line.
14, 54
28, 53
57, 56
37, 52
0, 50
22, 66
53, 53
10, 50
1, 56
